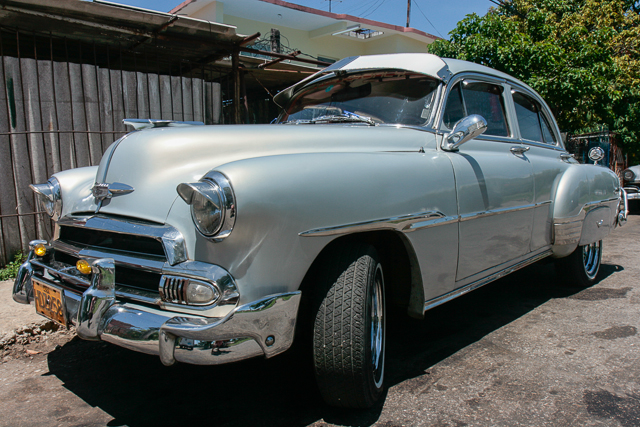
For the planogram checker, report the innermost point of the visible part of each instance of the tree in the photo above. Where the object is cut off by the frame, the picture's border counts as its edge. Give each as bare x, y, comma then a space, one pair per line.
582, 56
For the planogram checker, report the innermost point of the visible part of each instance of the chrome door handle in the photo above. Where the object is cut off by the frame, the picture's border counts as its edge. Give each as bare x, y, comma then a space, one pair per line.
519, 149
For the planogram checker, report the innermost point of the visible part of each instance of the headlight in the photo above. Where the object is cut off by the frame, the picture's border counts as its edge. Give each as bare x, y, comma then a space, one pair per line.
628, 175
212, 202
49, 197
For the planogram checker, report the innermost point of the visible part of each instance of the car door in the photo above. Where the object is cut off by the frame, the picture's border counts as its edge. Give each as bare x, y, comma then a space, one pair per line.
494, 181
539, 133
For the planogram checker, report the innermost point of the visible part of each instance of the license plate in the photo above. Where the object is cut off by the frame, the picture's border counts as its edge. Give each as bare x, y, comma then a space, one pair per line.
49, 302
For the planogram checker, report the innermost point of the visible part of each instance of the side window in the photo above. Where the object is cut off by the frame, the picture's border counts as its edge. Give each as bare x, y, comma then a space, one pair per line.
533, 124
486, 99
454, 110
547, 133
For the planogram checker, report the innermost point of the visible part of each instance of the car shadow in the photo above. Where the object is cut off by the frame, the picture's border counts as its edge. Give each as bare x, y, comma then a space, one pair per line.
136, 389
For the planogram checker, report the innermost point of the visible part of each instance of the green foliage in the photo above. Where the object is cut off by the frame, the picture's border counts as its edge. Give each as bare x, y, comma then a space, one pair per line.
10, 271
582, 56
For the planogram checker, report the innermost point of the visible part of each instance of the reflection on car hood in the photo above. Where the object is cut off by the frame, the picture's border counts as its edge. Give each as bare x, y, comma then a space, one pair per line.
155, 161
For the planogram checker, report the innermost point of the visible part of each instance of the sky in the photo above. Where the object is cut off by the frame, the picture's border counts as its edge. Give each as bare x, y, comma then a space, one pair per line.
434, 17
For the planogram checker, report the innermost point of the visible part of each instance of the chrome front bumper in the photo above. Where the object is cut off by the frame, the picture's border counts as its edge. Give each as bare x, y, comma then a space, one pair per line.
260, 328
632, 193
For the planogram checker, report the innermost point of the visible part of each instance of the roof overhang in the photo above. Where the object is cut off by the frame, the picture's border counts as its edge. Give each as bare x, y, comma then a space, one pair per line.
112, 24
318, 23
423, 63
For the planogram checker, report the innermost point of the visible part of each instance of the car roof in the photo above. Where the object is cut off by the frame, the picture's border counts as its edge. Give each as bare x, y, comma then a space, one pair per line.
424, 63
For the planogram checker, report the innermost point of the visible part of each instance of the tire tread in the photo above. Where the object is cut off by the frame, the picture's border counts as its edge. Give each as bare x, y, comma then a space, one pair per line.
339, 342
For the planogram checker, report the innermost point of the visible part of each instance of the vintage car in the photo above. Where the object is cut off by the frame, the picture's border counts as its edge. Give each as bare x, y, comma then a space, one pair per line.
400, 179
631, 182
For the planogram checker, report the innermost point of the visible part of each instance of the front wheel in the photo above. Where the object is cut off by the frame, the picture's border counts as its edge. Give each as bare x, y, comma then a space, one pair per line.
582, 266
349, 329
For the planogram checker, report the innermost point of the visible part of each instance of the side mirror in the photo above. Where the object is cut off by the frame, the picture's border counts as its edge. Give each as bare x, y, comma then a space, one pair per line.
464, 130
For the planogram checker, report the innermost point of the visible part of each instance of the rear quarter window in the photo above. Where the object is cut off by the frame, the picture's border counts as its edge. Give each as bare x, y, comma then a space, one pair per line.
533, 124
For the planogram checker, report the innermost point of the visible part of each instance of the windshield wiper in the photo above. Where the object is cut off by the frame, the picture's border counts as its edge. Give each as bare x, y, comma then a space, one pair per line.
347, 117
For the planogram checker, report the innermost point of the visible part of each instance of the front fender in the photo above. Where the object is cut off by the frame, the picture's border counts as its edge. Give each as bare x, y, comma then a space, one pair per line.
281, 197
75, 187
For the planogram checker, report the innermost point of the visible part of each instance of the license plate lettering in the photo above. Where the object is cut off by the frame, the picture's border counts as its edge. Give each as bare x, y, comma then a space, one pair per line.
49, 302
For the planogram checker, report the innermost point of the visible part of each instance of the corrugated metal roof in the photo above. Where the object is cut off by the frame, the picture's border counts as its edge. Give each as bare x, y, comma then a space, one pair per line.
105, 23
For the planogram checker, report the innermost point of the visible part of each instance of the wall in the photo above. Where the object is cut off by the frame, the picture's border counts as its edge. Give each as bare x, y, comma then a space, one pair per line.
56, 116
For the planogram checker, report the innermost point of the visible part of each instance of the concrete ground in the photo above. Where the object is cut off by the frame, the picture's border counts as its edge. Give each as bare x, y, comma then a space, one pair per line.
14, 316
527, 350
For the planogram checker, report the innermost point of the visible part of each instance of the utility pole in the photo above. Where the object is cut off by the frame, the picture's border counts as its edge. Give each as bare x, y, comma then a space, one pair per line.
339, 1
408, 10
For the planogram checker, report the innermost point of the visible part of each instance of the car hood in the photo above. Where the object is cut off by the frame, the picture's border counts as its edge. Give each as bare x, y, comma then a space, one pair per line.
153, 162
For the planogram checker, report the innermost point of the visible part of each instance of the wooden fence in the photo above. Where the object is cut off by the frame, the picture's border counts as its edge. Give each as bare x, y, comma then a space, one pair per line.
60, 115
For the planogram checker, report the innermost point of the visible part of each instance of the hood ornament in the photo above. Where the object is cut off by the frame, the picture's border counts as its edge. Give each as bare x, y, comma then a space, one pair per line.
102, 191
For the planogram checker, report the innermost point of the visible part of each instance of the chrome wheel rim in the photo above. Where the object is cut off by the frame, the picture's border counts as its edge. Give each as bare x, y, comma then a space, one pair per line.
377, 328
591, 255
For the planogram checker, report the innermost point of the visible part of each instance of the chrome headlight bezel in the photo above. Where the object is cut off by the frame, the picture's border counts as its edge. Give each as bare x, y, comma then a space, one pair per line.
213, 190
628, 175
49, 196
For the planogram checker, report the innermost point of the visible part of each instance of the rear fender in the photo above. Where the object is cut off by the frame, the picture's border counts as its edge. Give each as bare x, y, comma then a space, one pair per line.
585, 207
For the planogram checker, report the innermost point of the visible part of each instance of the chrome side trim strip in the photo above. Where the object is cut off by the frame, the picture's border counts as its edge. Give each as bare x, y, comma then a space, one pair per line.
399, 223
431, 223
428, 305
410, 222
171, 239
585, 209
484, 214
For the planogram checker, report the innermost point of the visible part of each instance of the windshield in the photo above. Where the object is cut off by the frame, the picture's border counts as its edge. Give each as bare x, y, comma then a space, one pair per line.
390, 97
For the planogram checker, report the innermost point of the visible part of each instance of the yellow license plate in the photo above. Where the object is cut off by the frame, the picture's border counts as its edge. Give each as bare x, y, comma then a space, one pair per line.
49, 302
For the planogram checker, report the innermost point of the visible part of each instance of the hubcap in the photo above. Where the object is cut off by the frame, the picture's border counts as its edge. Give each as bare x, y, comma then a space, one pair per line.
591, 259
377, 328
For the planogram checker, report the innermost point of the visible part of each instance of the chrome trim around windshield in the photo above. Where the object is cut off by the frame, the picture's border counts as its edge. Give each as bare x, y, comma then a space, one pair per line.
171, 239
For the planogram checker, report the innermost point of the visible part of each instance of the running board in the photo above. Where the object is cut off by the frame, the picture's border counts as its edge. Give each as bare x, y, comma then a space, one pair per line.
432, 303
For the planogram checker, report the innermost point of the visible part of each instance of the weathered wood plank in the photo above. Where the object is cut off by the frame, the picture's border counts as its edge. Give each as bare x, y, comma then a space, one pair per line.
24, 198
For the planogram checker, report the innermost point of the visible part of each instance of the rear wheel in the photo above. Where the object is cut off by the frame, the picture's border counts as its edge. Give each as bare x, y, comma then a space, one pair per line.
349, 329
582, 266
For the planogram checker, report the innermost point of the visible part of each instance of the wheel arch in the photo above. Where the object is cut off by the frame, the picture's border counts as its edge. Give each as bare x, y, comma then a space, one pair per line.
402, 276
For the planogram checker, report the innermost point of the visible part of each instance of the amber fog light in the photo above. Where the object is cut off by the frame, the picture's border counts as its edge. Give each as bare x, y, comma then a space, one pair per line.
83, 267
40, 250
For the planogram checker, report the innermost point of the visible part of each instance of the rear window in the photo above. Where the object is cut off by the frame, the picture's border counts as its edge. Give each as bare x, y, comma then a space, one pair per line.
533, 124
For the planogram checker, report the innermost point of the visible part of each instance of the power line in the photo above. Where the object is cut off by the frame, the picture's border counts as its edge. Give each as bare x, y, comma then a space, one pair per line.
375, 5
425, 17
362, 5
375, 9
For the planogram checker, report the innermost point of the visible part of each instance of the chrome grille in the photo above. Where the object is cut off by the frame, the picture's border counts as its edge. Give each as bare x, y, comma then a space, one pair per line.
173, 289
107, 240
